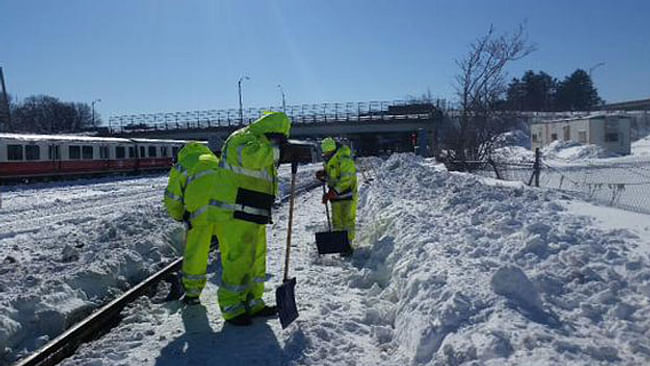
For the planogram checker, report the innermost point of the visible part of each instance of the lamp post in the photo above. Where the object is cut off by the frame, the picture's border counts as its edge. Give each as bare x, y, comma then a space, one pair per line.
93, 110
591, 69
241, 108
284, 104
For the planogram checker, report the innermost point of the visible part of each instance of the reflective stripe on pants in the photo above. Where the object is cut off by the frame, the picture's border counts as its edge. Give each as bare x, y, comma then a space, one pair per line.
243, 259
195, 258
344, 216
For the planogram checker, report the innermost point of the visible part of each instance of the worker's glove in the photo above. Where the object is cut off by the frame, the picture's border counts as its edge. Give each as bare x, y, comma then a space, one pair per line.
186, 221
329, 196
321, 175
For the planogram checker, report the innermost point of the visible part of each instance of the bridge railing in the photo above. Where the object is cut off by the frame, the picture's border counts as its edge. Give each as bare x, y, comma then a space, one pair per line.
299, 114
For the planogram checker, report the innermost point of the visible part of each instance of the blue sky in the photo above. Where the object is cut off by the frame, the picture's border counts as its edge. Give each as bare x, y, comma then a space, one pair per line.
164, 56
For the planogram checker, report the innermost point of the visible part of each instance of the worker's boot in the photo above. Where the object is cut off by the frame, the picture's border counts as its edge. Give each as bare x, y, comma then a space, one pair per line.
240, 320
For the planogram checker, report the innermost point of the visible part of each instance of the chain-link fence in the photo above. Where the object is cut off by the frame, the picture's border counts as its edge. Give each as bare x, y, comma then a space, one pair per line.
623, 184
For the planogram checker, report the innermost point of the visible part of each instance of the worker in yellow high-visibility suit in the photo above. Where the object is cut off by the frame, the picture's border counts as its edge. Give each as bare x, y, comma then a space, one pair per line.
203, 219
240, 201
174, 200
188, 156
340, 173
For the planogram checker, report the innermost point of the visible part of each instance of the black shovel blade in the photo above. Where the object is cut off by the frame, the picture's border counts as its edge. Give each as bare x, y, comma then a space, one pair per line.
330, 242
285, 298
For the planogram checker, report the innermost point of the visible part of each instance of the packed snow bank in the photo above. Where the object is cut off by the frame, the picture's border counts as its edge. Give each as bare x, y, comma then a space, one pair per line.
571, 151
448, 270
641, 147
68, 247
459, 271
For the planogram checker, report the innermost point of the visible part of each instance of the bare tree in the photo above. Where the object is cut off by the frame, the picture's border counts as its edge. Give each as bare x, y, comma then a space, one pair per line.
480, 86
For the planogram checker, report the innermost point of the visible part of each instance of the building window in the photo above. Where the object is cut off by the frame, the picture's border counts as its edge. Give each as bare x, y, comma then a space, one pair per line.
87, 152
14, 152
103, 152
32, 152
131, 152
553, 136
175, 151
142, 152
582, 137
163, 151
611, 137
74, 152
152, 151
119, 152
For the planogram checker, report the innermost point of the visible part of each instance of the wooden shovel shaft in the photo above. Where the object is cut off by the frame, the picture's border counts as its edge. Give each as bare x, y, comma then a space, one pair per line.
293, 188
327, 211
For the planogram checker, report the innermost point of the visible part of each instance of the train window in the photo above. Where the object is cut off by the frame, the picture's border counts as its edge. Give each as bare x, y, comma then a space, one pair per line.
14, 152
32, 152
74, 152
119, 152
163, 151
131, 152
142, 152
87, 152
152, 151
103, 152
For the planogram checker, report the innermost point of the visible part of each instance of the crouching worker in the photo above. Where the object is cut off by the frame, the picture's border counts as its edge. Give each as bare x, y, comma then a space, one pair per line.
248, 187
340, 174
174, 198
202, 220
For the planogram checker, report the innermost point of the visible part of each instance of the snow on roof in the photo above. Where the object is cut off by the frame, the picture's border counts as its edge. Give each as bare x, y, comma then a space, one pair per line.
581, 118
82, 138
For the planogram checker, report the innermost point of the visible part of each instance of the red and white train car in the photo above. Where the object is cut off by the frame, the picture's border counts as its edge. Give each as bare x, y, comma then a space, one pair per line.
29, 156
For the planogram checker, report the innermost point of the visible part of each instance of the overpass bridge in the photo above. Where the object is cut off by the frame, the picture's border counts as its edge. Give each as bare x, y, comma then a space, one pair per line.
371, 127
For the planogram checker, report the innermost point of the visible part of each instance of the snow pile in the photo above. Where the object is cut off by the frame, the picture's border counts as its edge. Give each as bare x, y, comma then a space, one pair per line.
572, 151
641, 147
513, 138
458, 271
69, 247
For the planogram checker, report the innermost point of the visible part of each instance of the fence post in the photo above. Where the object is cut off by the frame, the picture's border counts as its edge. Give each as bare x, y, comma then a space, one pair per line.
537, 166
494, 166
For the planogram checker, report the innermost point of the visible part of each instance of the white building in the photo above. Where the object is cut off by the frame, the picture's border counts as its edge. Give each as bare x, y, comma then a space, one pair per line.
612, 132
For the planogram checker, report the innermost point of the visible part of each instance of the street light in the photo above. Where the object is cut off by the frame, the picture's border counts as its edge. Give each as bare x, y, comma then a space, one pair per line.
284, 105
241, 108
591, 69
93, 109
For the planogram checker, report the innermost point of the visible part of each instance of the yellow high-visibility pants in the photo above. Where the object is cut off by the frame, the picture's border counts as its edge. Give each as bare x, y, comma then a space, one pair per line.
344, 216
243, 259
195, 258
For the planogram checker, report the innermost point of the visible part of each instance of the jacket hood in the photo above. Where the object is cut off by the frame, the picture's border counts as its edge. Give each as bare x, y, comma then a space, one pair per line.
271, 122
193, 148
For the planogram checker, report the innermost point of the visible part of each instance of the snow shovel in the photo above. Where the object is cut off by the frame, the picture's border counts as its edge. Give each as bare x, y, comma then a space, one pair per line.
330, 242
285, 296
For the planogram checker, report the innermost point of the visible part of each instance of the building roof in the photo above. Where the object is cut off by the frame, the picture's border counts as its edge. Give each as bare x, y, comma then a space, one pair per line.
600, 115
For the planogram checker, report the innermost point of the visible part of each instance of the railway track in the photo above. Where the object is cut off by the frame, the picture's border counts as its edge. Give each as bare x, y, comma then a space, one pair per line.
108, 316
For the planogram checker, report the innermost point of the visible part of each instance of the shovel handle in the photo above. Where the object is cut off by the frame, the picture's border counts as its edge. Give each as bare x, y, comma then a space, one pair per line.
294, 170
327, 211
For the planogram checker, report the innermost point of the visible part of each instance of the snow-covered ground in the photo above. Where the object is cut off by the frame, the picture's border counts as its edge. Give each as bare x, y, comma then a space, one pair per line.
450, 269
68, 247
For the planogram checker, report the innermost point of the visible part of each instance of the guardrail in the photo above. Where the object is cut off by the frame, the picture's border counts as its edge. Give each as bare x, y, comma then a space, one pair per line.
299, 114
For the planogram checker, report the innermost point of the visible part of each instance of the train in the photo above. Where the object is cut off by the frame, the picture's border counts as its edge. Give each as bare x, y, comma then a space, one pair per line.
27, 156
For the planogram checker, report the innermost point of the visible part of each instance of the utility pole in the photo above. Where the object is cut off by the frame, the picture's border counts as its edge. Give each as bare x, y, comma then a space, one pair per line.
93, 109
241, 107
284, 104
6, 101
